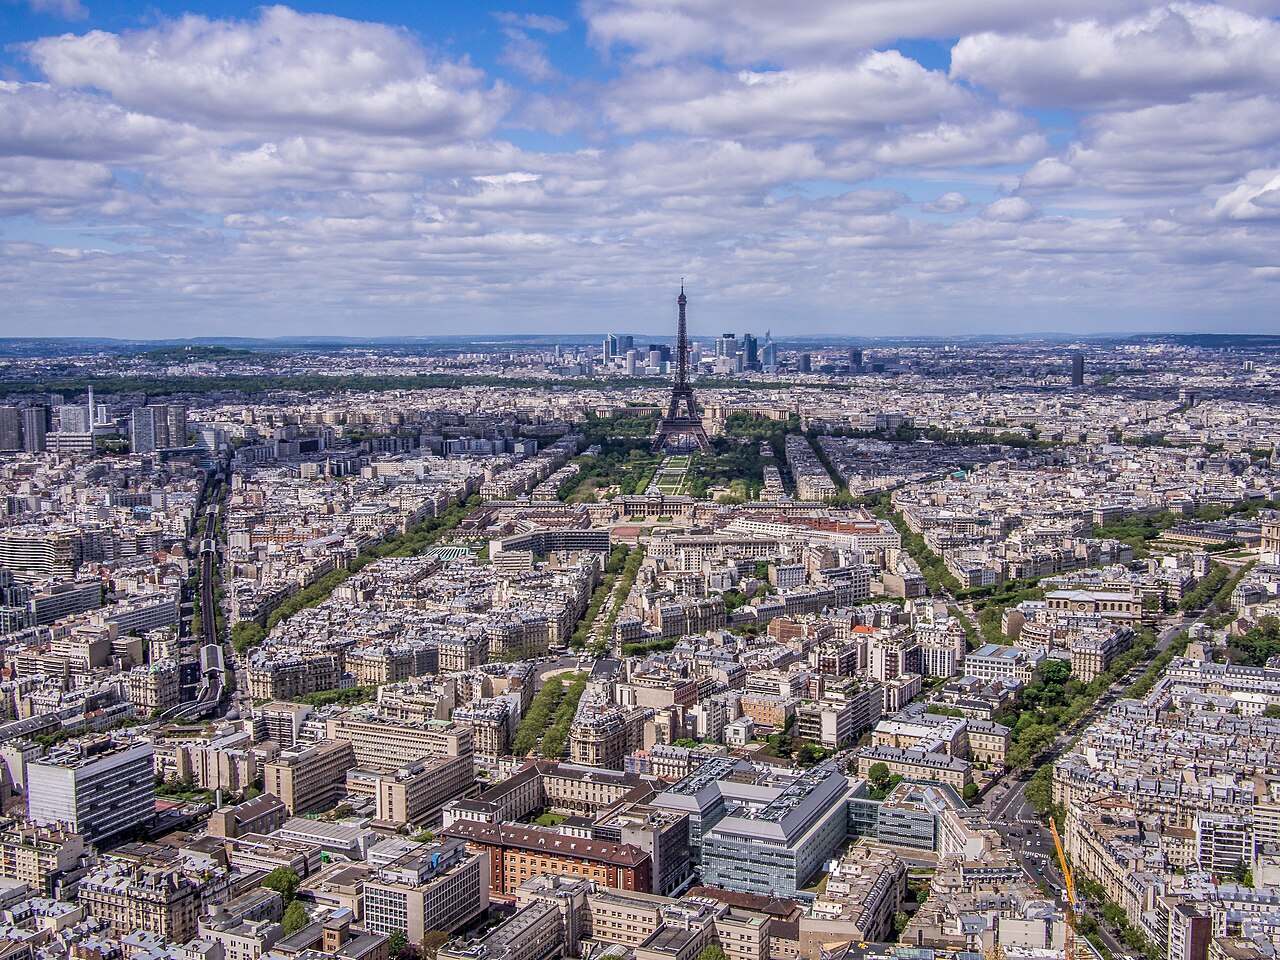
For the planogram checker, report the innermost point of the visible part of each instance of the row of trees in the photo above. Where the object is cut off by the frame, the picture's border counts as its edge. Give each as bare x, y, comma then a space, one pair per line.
936, 575
612, 568
1055, 701
411, 542
538, 717
557, 735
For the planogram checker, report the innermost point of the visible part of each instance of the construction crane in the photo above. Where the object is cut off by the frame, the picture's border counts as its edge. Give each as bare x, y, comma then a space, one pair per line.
1069, 888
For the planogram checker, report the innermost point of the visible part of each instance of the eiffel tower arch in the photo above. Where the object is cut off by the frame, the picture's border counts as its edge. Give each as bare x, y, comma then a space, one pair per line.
682, 425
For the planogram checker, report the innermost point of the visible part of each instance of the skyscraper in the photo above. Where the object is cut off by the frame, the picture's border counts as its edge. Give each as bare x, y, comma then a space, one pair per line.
142, 430
10, 429
751, 352
176, 425
769, 353
158, 427
855, 361
99, 789
35, 423
1077, 369
73, 418
610, 348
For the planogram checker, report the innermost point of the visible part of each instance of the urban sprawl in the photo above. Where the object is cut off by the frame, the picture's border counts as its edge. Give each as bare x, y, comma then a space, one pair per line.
719, 648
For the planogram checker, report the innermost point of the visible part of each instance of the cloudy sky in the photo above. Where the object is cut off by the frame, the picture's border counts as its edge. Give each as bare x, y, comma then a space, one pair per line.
859, 167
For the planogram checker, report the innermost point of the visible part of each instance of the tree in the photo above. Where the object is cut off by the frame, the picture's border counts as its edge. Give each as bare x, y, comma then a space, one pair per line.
295, 918
712, 951
284, 880
879, 776
809, 755
970, 792
432, 941
1114, 914
1055, 671
396, 943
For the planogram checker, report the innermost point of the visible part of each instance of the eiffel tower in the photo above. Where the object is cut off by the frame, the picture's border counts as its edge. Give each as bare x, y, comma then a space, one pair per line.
682, 422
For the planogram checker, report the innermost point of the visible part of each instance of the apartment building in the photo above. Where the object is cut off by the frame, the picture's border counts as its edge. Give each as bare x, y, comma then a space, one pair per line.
385, 745
310, 779
441, 887
278, 675
137, 896
42, 857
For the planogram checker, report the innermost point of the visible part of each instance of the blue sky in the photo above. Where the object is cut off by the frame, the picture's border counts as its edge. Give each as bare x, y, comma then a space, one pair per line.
845, 166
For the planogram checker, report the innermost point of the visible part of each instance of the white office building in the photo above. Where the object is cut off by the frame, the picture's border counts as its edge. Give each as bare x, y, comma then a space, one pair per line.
98, 789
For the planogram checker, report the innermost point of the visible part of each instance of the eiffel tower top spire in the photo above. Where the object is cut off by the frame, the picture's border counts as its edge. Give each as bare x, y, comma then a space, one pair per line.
682, 343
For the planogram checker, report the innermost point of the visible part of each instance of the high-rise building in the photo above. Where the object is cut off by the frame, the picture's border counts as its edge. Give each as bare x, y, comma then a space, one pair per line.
1077, 369
176, 425
855, 360
73, 418
769, 353
805, 363
610, 348
142, 430
727, 345
98, 788
158, 427
35, 424
10, 429
311, 779
751, 352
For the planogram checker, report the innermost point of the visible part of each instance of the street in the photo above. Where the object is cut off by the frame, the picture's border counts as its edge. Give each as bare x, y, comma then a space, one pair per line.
1024, 830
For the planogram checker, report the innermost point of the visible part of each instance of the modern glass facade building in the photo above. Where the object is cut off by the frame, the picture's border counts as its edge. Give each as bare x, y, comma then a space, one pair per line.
761, 831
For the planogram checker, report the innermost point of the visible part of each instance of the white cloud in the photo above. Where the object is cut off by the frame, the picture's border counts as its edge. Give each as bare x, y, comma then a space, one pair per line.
950, 202
52, 189
1178, 150
1009, 210
302, 71
66, 9
1163, 55
526, 55
1257, 198
40, 120
754, 31
881, 88
532, 21
296, 169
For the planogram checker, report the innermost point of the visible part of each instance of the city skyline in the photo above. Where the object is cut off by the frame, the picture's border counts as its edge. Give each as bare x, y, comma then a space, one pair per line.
220, 169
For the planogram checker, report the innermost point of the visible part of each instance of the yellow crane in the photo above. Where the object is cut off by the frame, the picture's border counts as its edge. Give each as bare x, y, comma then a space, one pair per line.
1069, 885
